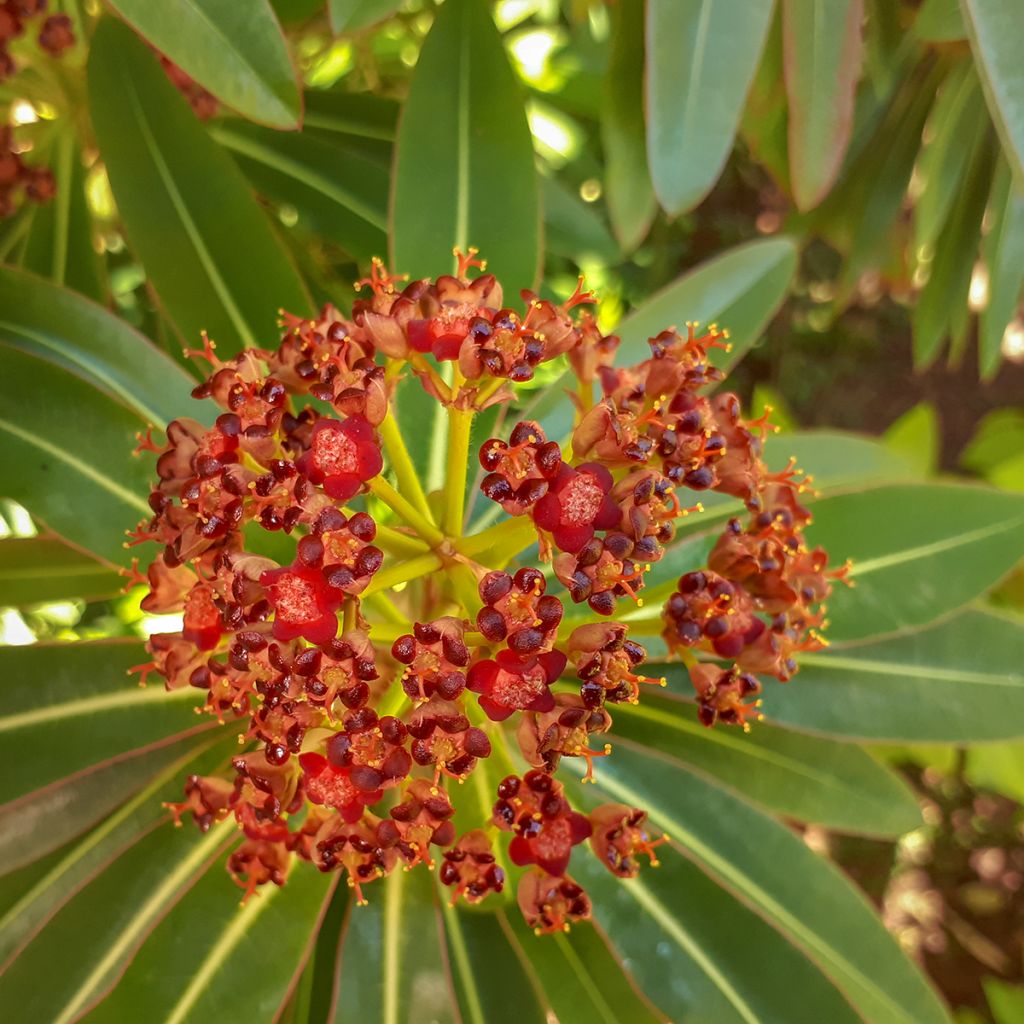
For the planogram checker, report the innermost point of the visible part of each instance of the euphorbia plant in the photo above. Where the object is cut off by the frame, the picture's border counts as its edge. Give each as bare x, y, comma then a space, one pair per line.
392, 651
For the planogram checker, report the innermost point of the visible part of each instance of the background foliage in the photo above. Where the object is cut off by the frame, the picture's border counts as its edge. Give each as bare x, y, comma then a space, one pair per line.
840, 184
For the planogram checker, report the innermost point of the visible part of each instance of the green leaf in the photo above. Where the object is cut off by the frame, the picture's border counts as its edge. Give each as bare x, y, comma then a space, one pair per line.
958, 682
1005, 1001
47, 818
1003, 252
59, 243
579, 976
998, 766
627, 184
822, 44
940, 21
774, 872
677, 930
210, 959
944, 297
97, 932
80, 700
574, 229
917, 436
352, 15
207, 248
766, 113
701, 58
408, 977
489, 979
919, 552
338, 193
993, 27
464, 166
38, 569
235, 51
836, 785
72, 471
740, 290
78, 864
999, 436
67, 329
957, 124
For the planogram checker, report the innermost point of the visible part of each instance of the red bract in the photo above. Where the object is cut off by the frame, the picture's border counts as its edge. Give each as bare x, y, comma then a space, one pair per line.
576, 505
511, 682
304, 604
620, 836
342, 456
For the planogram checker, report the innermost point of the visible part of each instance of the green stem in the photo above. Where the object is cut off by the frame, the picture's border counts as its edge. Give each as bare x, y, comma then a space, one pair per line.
406, 510
460, 426
402, 464
404, 572
385, 607
393, 542
509, 535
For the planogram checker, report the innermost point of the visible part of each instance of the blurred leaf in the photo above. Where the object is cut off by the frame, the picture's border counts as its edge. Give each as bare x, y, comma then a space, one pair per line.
210, 959
45, 819
993, 27
627, 184
766, 401
945, 294
917, 436
999, 436
574, 229
67, 329
1003, 252
958, 682
38, 569
764, 125
919, 552
838, 786
408, 979
579, 975
701, 58
207, 248
1005, 1001
236, 51
740, 290
998, 766
351, 15
1009, 475
295, 12
59, 243
940, 21
79, 699
363, 115
773, 871
73, 471
95, 934
823, 46
956, 126
341, 196
464, 166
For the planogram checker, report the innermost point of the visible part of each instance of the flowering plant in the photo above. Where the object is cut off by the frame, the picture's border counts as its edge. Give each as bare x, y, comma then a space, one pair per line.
360, 736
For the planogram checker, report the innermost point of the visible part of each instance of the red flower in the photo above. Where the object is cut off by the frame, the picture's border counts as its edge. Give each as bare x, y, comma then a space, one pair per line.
513, 683
304, 603
335, 787
203, 625
342, 456
470, 866
577, 504
551, 904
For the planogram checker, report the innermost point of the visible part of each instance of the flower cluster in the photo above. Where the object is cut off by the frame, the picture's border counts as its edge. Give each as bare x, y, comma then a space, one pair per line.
19, 179
55, 34
392, 654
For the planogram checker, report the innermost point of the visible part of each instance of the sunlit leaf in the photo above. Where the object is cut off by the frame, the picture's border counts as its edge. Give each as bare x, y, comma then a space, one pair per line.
38, 569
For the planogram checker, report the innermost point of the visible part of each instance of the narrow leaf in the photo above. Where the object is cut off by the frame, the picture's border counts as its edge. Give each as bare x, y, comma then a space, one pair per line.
701, 58
235, 51
38, 569
958, 682
940, 21
464, 166
627, 184
918, 552
67, 455
207, 248
65, 328
823, 44
993, 27
352, 15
